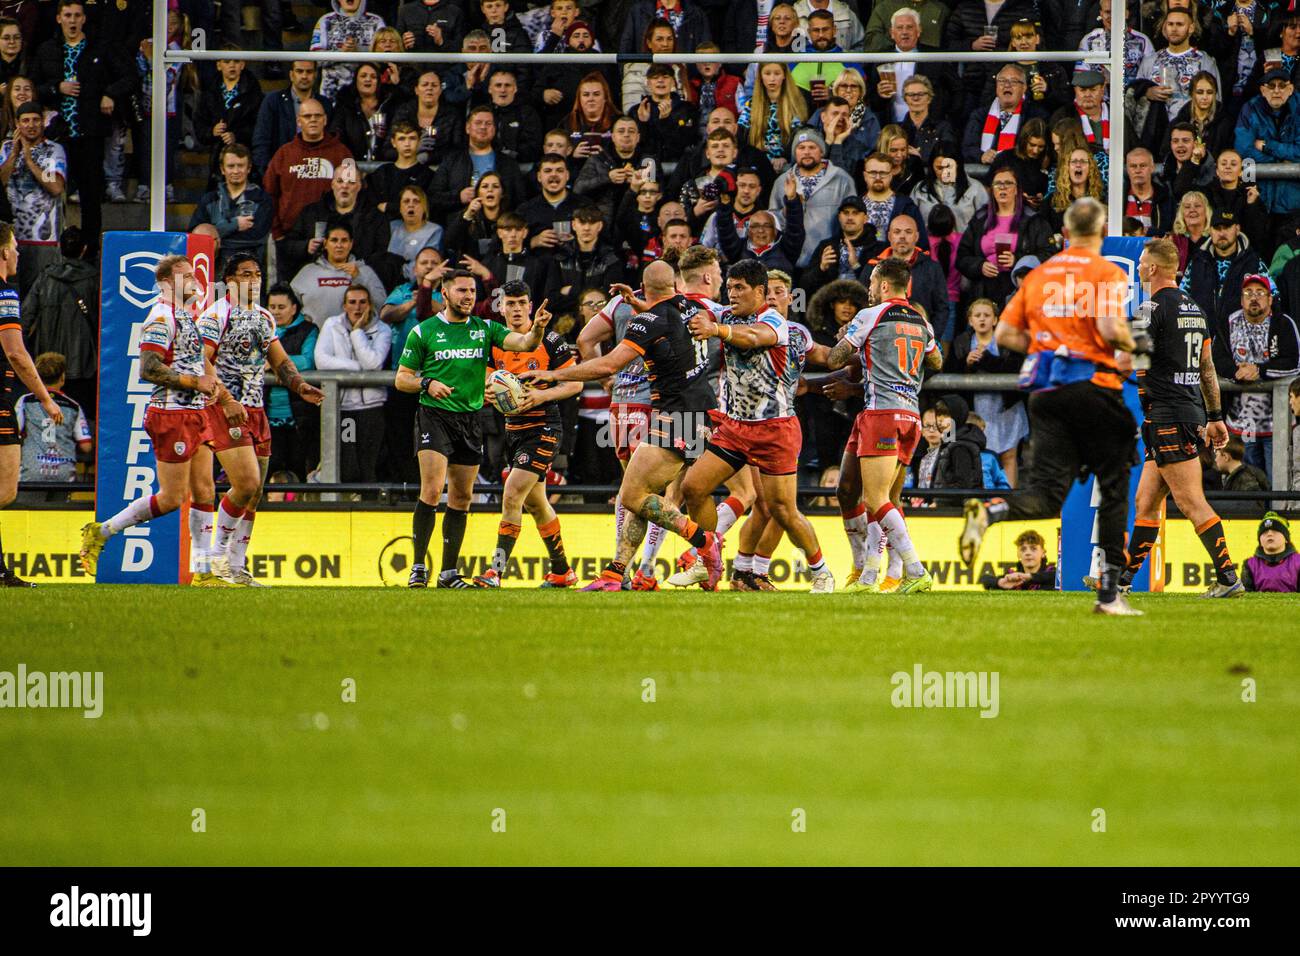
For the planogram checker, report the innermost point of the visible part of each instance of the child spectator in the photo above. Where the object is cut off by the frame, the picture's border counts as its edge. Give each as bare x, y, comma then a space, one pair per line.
51, 452
994, 477
1032, 573
1229, 461
960, 463
1275, 566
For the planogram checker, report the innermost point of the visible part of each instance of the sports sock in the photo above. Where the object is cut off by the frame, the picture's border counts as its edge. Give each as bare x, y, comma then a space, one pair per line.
554, 546
238, 550
1108, 586
855, 529
453, 535
872, 551
507, 537
729, 511
620, 517
895, 568
615, 568
892, 522
654, 539
816, 563
137, 512
743, 562
422, 523
1216, 546
223, 530
1140, 543
762, 563
200, 522
997, 510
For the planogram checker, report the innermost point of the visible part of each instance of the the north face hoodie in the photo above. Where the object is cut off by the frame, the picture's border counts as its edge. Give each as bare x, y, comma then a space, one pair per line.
299, 174
332, 30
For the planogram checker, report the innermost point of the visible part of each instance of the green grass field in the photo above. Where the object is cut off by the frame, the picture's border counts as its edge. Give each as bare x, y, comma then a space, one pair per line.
530, 702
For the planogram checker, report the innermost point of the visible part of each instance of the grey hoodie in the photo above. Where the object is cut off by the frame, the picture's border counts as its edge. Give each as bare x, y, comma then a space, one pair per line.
321, 287
331, 32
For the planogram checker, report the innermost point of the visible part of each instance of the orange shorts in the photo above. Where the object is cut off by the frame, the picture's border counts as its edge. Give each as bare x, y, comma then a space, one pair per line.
885, 434
176, 433
256, 431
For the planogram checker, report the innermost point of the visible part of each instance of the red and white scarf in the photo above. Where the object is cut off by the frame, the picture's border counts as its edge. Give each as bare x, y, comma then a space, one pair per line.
1090, 132
1005, 139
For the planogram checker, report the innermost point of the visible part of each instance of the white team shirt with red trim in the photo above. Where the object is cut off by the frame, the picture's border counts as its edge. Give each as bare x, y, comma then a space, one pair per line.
757, 384
173, 332
242, 338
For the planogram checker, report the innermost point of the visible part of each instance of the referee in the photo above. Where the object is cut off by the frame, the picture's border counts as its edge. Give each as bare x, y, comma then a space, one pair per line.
1068, 318
445, 362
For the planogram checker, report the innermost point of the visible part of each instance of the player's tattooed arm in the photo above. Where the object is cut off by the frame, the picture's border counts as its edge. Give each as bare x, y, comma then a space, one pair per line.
154, 370
1210, 382
286, 372
934, 359
841, 354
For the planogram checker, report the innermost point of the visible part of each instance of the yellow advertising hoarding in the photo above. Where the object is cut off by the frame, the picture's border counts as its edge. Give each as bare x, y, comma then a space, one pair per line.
373, 549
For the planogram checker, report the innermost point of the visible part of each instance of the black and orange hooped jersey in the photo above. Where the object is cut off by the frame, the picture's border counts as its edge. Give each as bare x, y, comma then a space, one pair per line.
554, 353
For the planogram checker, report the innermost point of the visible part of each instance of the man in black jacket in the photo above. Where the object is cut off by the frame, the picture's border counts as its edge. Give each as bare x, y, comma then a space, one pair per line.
370, 232
85, 80
583, 263
519, 128
964, 32
454, 182
1213, 276
695, 160
833, 258
929, 284
553, 204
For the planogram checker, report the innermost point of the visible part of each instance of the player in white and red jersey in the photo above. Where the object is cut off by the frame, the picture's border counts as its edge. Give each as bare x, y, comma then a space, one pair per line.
893, 341
756, 424
171, 357
238, 341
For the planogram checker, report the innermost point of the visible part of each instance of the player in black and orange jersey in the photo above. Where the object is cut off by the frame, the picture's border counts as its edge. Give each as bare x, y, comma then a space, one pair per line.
532, 435
1180, 404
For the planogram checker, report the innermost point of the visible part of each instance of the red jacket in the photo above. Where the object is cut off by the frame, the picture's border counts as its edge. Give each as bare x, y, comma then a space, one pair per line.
724, 91
299, 174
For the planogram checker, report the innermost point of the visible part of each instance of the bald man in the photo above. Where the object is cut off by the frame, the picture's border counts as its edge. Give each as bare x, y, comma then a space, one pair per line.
680, 397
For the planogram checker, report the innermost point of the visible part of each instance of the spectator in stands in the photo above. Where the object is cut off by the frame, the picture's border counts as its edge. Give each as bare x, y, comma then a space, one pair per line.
1229, 193
695, 161
995, 479
608, 173
946, 183
295, 424
341, 203
584, 263
507, 260
1235, 473
60, 312
1077, 176
921, 472
431, 26
969, 29
301, 170
1031, 160
13, 62
437, 121
181, 80
849, 33
240, 210
1209, 117
841, 254
688, 22
1274, 566
1033, 572
905, 170
227, 112
747, 202
459, 172
86, 77
50, 451
975, 351
1184, 167
658, 38
1255, 343
929, 285
776, 248
888, 82
355, 340
771, 116
348, 28
321, 284
846, 145
1090, 108
933, 15
711, 87
507, 33
519, 128
1214, 276
998, 236
1147, 200
1137, 45
1268, 131
822, 186
399, 308
923, 125
549, 212
277, 117
1049, 85
384, 185
993, 129
34, 173
1165, 76
473, 232
944, 242
364, 112
959, 464
557, 82
1191, 229
413, 231
814, 78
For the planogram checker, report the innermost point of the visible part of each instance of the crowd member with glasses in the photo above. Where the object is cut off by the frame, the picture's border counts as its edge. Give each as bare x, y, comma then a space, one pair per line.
882, 203
992, 130
925, 128
998, 236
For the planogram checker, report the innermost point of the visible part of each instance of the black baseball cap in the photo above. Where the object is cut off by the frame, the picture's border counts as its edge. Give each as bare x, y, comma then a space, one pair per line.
1277, 73
853, 202
1223, 217
31, 106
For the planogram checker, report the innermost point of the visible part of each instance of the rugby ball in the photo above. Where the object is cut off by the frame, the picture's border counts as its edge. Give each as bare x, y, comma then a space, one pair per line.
505, 391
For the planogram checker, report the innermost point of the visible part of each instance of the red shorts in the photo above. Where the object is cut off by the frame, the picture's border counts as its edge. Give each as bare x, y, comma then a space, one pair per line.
771, 446
885, 434
630, 424
176, 433
223, 436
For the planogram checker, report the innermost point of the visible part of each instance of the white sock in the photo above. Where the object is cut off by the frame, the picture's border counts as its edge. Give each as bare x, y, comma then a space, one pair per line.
743, 562
238, 549
137, 512
895, 564
762, 562
200, 534
654, 538
855, 529
224, 529
875, 545
726, 517
896, 527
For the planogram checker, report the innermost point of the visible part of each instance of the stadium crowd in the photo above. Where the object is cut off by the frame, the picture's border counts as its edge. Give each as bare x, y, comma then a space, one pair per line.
367, 182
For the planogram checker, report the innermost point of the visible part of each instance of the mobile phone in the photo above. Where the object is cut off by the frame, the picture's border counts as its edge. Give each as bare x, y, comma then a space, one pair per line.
593, 139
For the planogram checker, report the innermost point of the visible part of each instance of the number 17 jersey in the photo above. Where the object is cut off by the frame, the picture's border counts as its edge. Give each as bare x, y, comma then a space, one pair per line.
893, 340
